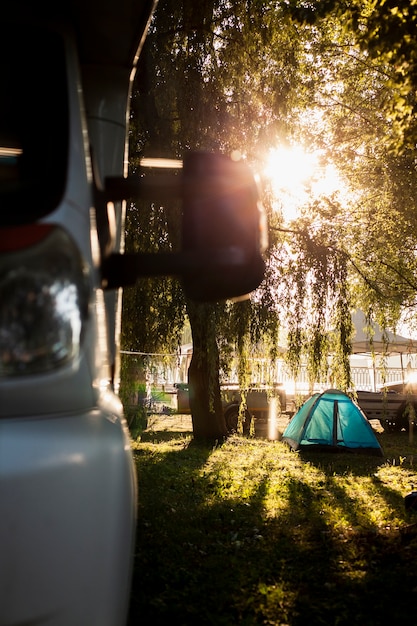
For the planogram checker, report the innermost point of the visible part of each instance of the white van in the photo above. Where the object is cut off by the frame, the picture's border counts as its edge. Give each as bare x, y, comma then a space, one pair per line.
67, 480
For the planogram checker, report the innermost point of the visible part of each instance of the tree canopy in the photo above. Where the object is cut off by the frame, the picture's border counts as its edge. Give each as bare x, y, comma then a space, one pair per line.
338, 78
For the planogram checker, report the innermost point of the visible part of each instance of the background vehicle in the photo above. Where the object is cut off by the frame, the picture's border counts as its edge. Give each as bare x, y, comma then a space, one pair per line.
263, 403
395, 406
260, 401
67, 479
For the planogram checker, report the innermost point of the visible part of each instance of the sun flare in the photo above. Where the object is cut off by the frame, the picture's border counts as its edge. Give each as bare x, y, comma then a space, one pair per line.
297, 176
290, 168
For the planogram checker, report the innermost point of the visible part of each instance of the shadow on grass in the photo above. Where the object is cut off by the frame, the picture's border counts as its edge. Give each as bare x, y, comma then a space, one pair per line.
210, 555
159, 436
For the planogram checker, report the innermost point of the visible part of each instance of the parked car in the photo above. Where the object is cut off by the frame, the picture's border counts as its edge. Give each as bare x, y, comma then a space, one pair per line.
258, 404
395, 406
259, 399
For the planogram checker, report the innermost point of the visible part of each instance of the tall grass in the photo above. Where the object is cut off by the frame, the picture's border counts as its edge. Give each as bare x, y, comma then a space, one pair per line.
252, 533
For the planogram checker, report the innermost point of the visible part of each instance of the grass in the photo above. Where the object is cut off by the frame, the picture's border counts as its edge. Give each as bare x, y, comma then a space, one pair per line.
251, 533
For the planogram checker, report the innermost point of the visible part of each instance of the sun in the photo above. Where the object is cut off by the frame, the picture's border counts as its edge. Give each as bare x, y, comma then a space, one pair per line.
289, 168
297, 176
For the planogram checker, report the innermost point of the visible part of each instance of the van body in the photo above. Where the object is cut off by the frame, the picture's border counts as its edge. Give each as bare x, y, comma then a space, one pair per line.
67, 480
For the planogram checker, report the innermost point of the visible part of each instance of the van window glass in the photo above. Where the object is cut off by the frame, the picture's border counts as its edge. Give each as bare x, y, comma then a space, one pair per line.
33, 123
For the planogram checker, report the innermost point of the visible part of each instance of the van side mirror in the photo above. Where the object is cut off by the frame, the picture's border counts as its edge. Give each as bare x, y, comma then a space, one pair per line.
223, 224
223, 229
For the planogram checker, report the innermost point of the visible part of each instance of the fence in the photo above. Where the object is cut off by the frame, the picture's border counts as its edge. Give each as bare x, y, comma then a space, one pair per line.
164, 372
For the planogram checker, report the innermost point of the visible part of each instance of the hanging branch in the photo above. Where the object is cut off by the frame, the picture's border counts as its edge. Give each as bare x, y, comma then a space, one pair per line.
340, 251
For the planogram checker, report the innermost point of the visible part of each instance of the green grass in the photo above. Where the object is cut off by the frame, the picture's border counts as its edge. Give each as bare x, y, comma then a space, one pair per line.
252, 533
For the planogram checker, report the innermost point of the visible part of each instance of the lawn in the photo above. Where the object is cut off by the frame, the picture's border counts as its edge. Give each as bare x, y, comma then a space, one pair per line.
251, 533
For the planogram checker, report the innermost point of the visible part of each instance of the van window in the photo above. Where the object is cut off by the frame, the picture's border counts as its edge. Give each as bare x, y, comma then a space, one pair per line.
33, 122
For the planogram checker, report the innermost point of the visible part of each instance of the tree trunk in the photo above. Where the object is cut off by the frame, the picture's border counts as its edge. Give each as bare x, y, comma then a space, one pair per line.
203, 376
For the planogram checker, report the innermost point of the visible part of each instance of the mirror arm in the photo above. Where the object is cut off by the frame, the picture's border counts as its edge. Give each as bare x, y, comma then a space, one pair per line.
123, 270
160, 186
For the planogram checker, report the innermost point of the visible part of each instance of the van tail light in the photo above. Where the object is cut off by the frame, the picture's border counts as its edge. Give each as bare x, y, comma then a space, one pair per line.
44, 293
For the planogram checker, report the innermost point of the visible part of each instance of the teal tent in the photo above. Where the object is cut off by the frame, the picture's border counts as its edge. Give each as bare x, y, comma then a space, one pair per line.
331, 421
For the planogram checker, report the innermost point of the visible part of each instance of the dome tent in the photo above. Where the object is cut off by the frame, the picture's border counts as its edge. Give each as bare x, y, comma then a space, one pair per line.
331, 421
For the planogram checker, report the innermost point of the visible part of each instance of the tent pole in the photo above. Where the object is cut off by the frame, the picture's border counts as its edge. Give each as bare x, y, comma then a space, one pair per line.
335, 412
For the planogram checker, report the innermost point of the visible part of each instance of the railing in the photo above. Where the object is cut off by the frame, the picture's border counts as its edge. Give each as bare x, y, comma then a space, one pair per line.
164, 373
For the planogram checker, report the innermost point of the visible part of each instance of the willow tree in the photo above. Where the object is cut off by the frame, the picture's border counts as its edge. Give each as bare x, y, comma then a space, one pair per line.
203, 84
235, 75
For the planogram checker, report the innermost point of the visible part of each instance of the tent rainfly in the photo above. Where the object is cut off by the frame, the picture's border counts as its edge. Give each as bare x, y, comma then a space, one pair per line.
331, 421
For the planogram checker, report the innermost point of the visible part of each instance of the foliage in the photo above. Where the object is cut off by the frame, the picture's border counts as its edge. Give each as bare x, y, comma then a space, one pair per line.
337, 77
367, 230
153, 309
137, 419
385, 32
312, 278
251, 533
